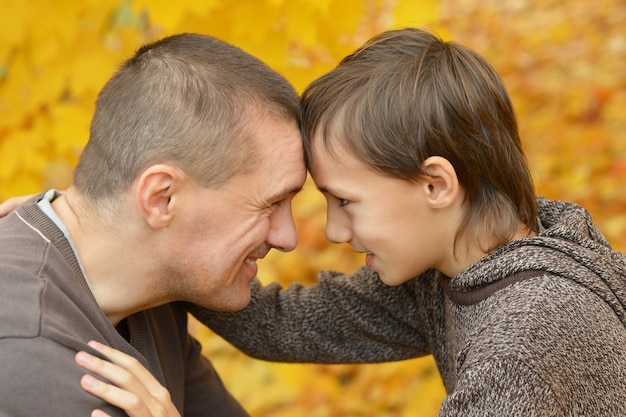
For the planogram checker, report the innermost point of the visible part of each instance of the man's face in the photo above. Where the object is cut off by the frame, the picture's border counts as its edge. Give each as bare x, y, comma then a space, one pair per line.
224, 231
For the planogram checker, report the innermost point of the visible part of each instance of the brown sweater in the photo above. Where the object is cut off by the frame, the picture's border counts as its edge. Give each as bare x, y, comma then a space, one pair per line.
48, 313
549, 344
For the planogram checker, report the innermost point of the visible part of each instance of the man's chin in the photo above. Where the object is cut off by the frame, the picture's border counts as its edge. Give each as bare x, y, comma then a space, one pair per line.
234, 303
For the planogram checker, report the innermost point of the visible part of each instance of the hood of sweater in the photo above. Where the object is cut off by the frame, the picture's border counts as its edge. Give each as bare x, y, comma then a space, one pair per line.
570, 246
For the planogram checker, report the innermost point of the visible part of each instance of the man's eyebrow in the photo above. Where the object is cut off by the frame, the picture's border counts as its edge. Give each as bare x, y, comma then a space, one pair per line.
283, 194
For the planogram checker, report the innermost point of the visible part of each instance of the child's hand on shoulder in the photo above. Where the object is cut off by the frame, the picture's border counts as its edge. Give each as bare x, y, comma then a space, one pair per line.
133, 388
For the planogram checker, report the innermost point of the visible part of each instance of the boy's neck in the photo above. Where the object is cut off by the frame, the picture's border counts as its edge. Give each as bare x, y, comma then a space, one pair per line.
469, 254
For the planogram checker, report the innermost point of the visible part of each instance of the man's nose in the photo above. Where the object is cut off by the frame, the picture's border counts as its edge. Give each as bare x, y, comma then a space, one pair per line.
282, 234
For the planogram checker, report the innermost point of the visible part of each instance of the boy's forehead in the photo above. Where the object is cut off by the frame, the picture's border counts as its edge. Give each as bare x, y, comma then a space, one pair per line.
331, 145
335, 154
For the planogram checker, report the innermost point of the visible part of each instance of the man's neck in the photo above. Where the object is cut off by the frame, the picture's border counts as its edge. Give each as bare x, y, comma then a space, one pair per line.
109, 258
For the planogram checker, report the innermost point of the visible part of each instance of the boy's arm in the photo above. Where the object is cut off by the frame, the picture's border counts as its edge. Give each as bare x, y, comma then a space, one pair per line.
344, 318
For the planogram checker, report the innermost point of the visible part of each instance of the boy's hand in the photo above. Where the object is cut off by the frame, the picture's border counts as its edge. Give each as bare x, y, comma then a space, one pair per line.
133, 388
12, 203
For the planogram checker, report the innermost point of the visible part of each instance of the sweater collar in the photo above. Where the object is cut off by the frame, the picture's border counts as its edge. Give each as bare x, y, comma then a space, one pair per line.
570, 246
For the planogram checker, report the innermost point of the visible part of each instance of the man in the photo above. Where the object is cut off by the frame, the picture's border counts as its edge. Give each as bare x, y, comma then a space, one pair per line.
187, 179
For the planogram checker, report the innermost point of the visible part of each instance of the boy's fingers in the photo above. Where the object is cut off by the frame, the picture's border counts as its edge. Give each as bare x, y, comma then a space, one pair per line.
131, 387
115, 396
99, 413
132, 366
11, 204
114, 373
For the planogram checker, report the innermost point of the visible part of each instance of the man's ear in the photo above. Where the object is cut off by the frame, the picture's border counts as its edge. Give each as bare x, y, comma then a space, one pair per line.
155, 188
441, 184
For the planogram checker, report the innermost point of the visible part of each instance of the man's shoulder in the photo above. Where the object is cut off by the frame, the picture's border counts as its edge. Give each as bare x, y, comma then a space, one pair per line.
19, 235
40, 378
22, 254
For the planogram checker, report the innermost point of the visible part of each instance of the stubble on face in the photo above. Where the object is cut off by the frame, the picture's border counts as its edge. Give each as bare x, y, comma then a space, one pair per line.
241, 223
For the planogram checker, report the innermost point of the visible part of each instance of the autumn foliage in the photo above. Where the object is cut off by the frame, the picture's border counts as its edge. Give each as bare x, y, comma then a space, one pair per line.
561, 61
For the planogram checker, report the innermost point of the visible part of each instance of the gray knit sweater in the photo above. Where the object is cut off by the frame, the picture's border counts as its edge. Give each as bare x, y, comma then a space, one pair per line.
537, 328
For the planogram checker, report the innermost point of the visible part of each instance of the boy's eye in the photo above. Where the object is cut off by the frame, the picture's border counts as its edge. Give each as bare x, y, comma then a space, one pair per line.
343, 202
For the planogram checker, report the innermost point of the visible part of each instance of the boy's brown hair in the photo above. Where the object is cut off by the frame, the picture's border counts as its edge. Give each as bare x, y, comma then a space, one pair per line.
406, 95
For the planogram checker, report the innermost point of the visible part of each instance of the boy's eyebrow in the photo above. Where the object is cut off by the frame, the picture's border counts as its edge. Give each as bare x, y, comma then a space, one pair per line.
325, 190
322, 189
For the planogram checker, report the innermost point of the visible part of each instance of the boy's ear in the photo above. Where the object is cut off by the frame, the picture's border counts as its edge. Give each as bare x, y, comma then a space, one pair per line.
155, 188
441, 183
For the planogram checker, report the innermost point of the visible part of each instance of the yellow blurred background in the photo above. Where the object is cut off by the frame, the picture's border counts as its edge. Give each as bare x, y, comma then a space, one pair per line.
563, 63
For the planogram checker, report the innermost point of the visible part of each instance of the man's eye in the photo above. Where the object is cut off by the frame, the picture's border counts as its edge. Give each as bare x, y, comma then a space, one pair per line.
278, 203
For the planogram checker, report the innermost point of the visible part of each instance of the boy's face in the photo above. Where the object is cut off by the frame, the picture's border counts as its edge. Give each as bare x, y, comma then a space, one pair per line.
386, 218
